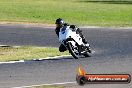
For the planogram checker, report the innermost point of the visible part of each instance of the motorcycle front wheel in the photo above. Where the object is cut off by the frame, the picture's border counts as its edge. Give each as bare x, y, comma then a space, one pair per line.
72, 50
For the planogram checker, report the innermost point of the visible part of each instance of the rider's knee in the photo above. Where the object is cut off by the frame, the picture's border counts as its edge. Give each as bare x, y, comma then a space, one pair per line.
62, 48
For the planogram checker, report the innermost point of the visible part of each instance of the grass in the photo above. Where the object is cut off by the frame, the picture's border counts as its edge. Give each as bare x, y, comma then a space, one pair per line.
28, 53
80, 12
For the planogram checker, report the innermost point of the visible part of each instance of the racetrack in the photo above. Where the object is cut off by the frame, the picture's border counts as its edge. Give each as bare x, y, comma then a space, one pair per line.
113, 54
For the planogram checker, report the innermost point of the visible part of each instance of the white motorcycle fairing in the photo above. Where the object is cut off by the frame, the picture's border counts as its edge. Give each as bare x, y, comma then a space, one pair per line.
66, 32
73, 42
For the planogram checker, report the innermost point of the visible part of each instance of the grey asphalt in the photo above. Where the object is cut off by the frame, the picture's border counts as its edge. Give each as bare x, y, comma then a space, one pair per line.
113, 54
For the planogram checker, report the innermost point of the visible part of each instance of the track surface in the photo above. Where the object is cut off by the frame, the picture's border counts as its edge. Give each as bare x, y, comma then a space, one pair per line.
113, 54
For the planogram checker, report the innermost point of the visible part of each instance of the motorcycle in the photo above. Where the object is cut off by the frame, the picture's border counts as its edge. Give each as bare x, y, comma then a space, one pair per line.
73, 42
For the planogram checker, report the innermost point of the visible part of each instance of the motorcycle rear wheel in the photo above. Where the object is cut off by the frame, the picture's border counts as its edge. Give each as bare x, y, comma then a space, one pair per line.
86, 54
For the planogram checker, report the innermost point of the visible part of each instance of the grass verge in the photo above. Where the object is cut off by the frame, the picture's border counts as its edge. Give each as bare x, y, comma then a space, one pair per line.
80, 12
28, 53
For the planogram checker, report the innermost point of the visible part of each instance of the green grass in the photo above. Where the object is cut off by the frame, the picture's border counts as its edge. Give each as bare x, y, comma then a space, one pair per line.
80, 12
28, 53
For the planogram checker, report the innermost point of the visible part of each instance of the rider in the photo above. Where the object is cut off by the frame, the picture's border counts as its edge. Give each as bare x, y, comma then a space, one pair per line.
59, 24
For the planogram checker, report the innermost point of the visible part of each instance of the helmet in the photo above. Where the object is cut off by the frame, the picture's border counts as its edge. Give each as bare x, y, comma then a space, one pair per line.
59, 21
